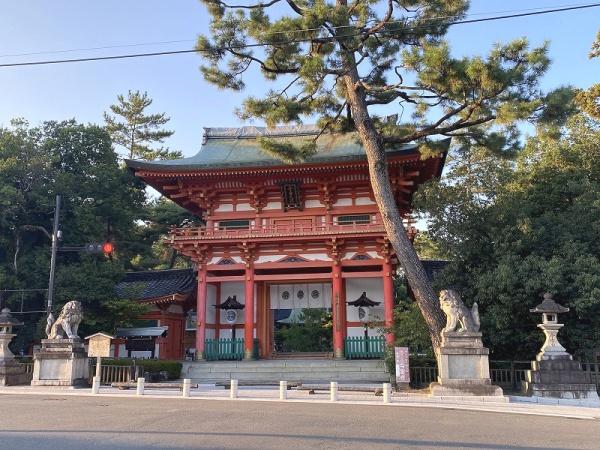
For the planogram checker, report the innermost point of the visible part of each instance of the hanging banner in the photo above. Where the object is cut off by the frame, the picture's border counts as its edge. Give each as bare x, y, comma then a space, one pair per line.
402, 365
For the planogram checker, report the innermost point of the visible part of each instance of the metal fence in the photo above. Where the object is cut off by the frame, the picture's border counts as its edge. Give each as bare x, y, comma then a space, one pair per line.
224, 349
359, 347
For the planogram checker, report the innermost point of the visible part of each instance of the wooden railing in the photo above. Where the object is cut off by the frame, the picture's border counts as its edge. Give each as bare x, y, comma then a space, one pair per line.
274, 230
116, 374
360, 347
224, 349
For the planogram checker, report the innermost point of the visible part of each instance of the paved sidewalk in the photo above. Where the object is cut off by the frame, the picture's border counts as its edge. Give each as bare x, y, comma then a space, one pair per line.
513, 405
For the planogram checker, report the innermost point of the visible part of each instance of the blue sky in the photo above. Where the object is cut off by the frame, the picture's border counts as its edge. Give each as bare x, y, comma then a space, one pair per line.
84, 90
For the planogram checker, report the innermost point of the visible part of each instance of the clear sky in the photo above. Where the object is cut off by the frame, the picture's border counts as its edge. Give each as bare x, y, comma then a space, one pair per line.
84, 90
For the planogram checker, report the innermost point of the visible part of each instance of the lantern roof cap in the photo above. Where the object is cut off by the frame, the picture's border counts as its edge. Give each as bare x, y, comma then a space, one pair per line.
6, 318
548, 305
230, 303
363, 301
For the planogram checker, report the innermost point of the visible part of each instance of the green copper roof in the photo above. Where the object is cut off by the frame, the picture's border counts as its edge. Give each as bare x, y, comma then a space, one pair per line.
239, 147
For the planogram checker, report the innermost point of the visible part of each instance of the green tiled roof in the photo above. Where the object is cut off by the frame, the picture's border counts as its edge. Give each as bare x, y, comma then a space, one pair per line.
239, 147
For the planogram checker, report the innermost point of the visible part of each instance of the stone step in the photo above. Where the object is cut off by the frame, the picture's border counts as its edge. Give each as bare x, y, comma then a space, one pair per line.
309, 370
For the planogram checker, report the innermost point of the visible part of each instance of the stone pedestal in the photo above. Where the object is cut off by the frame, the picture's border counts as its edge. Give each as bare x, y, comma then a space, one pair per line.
12, 373
463, 366
559, 378
60, 362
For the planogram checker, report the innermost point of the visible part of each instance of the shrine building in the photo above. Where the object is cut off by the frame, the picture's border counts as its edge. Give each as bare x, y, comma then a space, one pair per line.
275, 241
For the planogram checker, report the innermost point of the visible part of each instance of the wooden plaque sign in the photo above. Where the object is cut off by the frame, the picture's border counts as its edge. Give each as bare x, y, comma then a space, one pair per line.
99, 345
402, 366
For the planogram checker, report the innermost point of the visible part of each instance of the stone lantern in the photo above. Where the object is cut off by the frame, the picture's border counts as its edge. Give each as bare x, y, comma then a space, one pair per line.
554, 373
11, 372
552, 349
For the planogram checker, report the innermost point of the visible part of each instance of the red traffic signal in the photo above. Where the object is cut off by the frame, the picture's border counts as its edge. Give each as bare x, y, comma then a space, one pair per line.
108, 248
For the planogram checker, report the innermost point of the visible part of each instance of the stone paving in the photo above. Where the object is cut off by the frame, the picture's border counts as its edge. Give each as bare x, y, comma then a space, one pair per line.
512, 404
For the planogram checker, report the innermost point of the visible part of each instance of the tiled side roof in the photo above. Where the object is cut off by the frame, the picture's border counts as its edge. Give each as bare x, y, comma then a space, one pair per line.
240, 147
156, 283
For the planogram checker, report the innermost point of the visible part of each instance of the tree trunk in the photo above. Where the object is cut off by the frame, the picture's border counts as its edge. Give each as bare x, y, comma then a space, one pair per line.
384, 196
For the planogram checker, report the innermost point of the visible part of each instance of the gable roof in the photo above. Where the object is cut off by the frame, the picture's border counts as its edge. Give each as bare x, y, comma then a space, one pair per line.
240, 147
153, 284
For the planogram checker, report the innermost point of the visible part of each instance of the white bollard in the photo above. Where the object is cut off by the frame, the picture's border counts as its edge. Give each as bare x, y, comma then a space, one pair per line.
387, 393
334, 391
233, 391
96, 385
140, 386
283, 390
186, 387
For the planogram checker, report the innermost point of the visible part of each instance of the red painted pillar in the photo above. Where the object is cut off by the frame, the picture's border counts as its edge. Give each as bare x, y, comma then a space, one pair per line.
201, 312
249, 313
338, 306
388, 299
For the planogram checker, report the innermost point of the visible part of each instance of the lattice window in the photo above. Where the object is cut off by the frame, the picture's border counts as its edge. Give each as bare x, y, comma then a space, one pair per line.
234, 224
354, 219
290, 193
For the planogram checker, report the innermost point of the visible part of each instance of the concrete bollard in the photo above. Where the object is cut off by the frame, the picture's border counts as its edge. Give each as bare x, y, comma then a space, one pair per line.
283, 390
333, 391
387, 393
140, 386
186, 387
96, 385
233, 390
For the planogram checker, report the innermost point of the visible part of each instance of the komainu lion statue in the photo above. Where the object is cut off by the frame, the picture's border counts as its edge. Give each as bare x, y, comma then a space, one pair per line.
457, 314
67, 323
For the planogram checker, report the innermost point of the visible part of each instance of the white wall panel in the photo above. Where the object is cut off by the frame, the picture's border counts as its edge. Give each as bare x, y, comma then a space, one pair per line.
354, 289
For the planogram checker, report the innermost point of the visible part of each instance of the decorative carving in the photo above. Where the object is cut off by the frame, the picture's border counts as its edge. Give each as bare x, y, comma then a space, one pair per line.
457, 314
67, 323
328, 194
258, 199
385, 249
248, 252
205, 198
336, 250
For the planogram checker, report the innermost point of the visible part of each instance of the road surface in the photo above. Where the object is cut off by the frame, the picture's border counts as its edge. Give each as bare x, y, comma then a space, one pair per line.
69, 422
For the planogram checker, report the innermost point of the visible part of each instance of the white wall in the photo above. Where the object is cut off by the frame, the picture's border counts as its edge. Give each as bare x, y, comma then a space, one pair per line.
374, 289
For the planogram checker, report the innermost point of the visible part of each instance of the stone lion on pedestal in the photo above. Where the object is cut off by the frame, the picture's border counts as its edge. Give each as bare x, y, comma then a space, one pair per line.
457, 314
67, 323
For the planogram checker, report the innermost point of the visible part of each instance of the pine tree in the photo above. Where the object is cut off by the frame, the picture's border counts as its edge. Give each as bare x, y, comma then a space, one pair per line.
136, 131
589, 100
343, 62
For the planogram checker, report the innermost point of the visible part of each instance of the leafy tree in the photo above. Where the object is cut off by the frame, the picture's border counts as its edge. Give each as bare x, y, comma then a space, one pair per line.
343, 62
535, 232
135, 131
589, 100
78, 162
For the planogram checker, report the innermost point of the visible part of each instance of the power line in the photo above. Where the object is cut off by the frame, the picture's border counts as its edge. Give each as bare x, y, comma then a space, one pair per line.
177, 41
295, 41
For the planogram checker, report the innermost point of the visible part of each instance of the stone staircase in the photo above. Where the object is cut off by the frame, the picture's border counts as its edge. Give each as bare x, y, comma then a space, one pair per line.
293, 370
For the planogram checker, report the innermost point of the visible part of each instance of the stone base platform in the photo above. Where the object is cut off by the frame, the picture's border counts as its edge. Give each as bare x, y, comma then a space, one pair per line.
463, 367
465, 388
12, 374
559, 378
60, 362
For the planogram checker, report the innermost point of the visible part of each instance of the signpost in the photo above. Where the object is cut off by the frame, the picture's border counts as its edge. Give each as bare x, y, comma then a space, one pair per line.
98, 347
402, 367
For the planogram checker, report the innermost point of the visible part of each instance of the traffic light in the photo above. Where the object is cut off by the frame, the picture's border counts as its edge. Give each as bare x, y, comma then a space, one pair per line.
108, 248
93, 248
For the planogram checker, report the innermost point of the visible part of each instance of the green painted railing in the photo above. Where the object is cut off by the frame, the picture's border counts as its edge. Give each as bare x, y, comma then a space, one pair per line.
224, 349
364, 347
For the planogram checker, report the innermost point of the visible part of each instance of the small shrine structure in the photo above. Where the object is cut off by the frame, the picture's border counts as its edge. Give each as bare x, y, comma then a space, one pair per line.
279, 237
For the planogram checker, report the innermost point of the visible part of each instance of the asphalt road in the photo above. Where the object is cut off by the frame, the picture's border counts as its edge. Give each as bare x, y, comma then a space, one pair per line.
130, 423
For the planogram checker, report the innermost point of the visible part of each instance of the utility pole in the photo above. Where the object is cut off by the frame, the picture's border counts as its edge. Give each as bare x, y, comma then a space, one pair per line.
55, 236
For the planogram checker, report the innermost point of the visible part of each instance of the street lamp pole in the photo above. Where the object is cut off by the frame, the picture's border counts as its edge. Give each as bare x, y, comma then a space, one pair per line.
53, 257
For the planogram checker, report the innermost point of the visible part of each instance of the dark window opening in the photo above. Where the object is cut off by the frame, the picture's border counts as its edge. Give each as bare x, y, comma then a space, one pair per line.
354, 220
291, 196
234, 224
